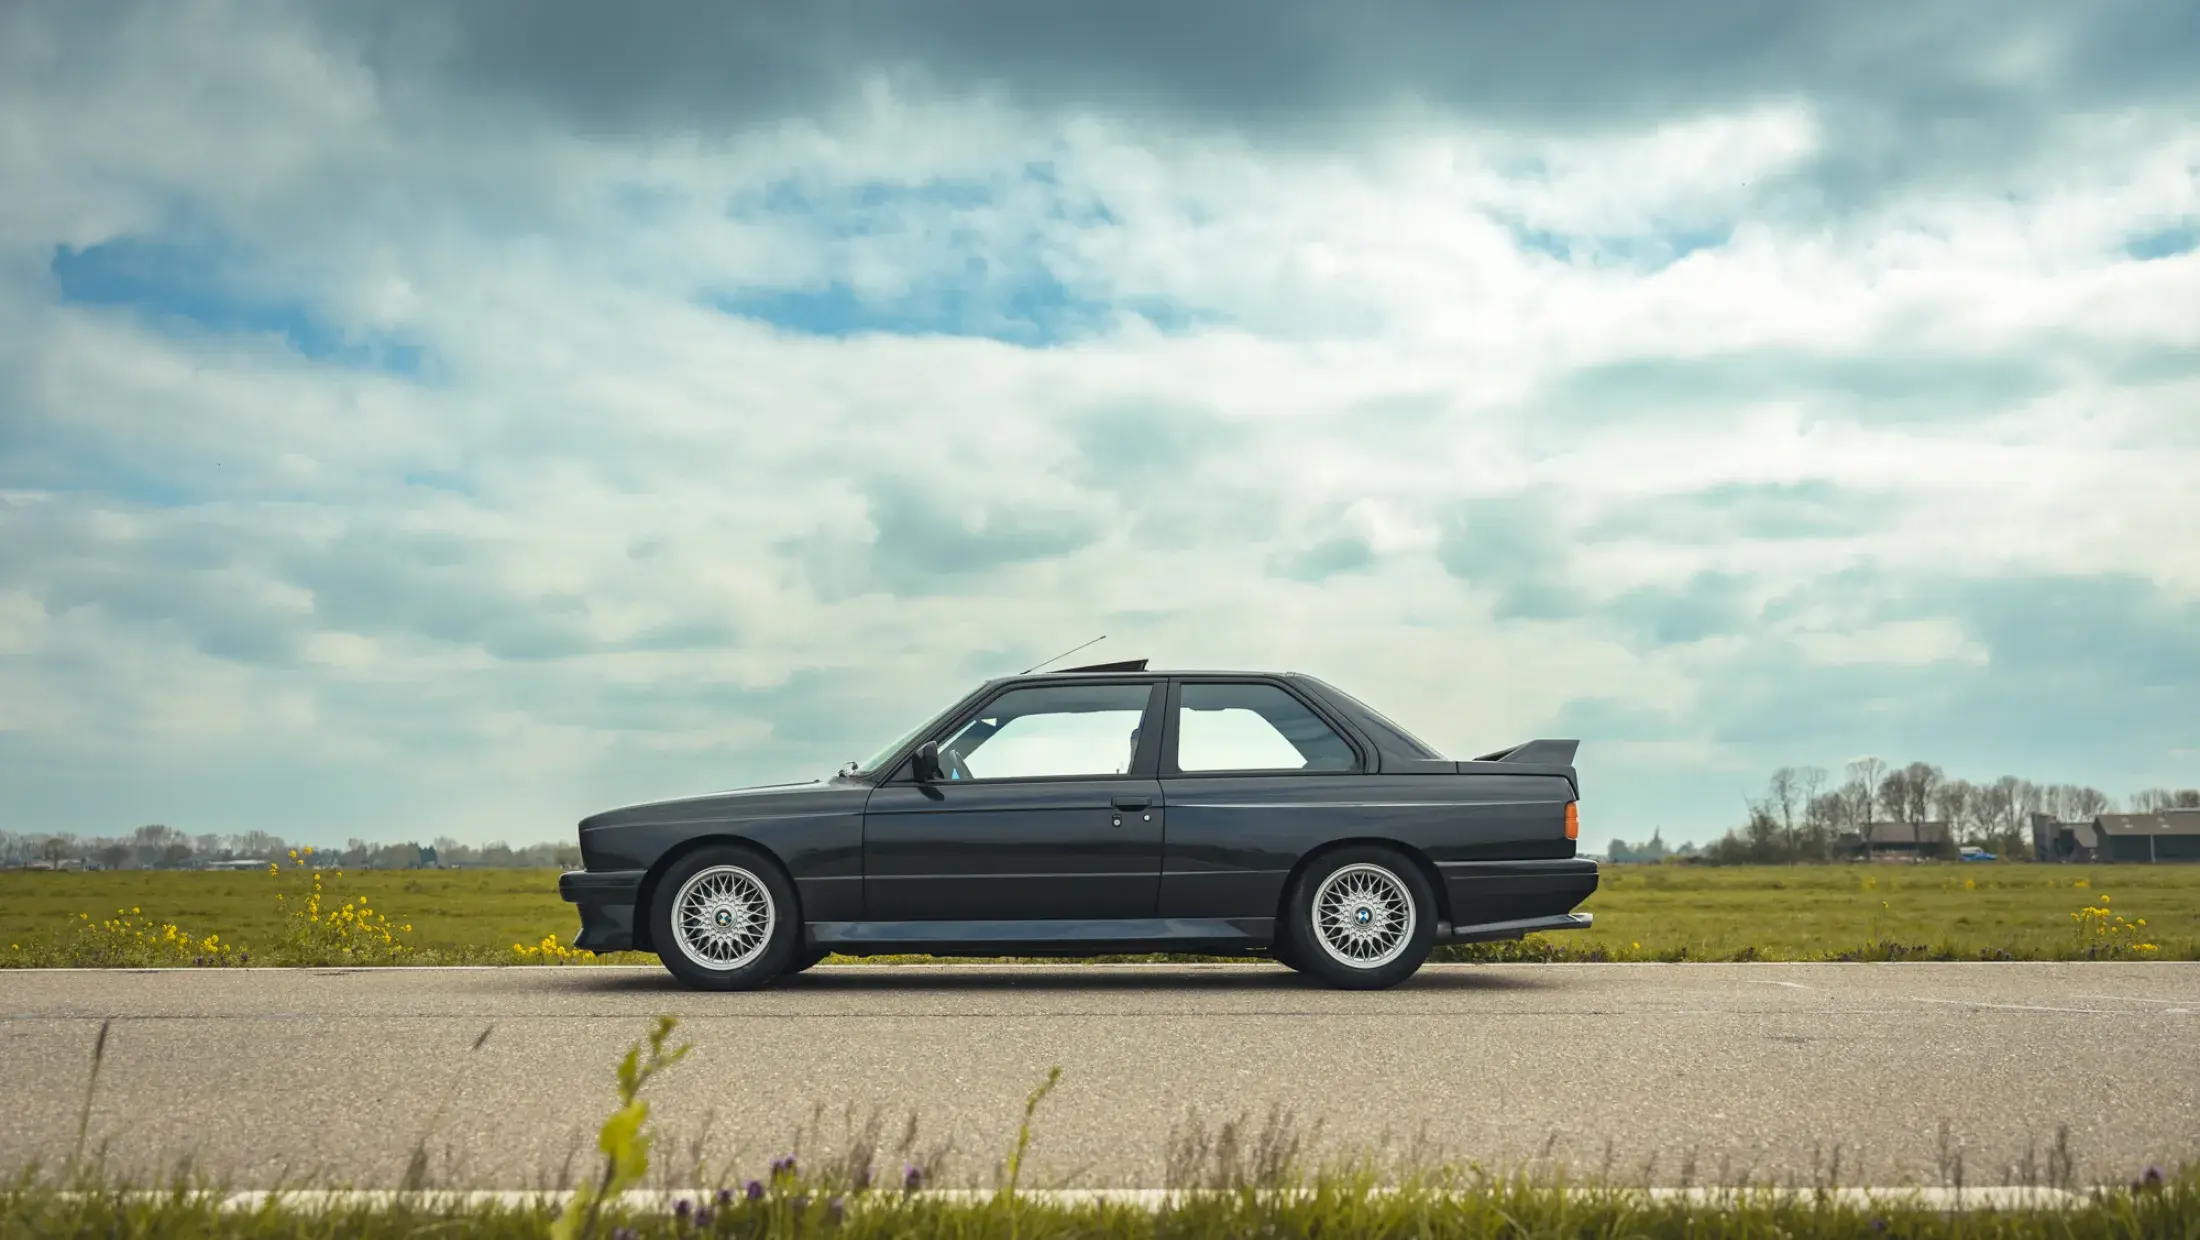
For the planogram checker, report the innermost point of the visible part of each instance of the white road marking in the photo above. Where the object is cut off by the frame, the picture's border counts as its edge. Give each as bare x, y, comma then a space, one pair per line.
1945, 1200
2018, 1007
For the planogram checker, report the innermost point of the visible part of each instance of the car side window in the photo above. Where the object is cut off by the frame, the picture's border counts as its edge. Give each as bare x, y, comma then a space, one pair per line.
1059, 731
1251, 727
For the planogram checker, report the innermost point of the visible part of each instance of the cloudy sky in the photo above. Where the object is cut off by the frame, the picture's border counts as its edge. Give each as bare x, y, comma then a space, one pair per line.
451, 419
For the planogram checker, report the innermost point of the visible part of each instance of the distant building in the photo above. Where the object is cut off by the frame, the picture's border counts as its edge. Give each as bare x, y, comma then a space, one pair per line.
2165, 835
427, 858
1892, 840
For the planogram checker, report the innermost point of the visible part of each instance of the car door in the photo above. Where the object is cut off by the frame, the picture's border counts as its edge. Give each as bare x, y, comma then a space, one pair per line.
1051, 812
1254, 775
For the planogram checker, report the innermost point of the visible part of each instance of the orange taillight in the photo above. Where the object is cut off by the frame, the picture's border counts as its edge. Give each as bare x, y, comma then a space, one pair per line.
1573, 820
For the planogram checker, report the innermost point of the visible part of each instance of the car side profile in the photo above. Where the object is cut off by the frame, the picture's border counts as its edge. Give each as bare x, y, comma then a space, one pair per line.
1105, 809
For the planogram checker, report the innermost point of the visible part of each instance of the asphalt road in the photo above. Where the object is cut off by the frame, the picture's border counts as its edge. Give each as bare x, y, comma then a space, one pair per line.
1670, 1073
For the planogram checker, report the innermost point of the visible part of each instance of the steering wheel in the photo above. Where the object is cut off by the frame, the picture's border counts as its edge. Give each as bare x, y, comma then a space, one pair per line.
951, 765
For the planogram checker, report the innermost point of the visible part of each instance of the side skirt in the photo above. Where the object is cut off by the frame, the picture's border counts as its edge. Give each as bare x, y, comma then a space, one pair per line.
1220, 935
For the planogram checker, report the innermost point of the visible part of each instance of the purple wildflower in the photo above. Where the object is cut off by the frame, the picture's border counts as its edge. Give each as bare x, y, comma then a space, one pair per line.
725, 1196
681, 1208
783, 1166
835, 1208
754, 1191
912, 1178
2153, 1177
705, 1216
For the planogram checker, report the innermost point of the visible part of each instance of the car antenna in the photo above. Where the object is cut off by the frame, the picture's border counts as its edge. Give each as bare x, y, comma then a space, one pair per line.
1065, 654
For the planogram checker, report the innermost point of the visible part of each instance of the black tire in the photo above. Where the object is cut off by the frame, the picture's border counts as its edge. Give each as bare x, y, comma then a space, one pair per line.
807, 958
1375, 868
742, 871
1285, 953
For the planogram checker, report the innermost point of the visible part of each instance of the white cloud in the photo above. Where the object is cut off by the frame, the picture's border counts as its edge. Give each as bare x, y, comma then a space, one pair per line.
574, 556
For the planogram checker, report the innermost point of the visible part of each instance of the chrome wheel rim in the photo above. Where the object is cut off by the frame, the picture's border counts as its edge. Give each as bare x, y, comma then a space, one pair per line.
723, 917
1363, 916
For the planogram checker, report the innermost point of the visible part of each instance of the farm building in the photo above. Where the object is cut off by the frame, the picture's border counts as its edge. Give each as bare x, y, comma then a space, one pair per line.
1887, 840
2165, 835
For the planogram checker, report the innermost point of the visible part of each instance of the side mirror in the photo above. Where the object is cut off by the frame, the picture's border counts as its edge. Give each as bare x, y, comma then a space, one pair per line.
925, 765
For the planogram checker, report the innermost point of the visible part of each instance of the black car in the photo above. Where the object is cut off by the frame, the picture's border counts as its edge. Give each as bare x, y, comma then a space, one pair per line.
1104, 809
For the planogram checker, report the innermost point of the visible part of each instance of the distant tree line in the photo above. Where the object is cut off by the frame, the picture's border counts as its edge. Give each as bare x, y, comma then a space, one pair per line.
159, 847
1803, 816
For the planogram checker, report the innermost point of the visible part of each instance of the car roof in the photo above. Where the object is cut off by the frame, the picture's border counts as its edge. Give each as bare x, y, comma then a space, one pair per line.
1149, 674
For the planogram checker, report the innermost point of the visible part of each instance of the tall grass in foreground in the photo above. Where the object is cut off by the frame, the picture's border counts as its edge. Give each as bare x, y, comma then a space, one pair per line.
1338, 1209
1223, 1185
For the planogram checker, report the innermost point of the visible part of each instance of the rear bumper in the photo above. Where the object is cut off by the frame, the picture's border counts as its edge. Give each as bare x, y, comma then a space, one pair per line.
1492, 931
606, 900
1482, 893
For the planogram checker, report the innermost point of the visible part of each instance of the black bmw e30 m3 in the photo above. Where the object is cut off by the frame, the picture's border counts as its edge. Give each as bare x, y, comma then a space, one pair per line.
1097, 810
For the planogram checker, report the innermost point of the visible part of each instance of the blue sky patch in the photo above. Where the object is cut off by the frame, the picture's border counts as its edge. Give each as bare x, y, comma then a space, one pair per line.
1645, 251
2163, 243
1031, 309
199, 285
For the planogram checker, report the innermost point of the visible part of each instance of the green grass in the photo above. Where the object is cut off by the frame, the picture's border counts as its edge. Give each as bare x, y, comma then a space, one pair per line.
1643, 912
450, 910
1950, 910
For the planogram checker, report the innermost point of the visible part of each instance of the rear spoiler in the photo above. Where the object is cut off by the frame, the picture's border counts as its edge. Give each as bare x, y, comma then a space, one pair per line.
1541, 753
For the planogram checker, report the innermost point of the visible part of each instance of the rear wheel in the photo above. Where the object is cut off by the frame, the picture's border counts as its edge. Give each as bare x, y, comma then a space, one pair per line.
725, 919
807, 958
1361, 918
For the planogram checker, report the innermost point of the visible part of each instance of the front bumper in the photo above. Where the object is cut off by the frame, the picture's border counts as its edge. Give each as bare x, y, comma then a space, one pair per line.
606, 899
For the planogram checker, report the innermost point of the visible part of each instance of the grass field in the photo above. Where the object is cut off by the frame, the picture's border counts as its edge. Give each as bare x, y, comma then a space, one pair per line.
1959, 911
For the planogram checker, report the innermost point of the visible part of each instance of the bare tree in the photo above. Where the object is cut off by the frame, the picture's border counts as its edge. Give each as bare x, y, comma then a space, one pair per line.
1920, 781
1894, 796
2088, 803
1953, 803
1866, 773
1869, 772
1780, 794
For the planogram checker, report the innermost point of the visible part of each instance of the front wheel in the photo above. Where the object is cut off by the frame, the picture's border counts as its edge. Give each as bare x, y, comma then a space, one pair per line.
725, 919
1361, 918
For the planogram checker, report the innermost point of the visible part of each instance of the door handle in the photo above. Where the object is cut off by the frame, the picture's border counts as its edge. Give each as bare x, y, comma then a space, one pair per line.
1133, 803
